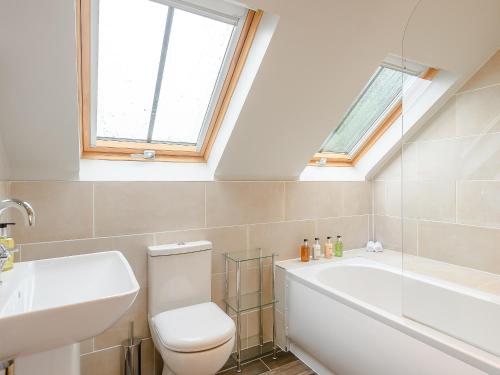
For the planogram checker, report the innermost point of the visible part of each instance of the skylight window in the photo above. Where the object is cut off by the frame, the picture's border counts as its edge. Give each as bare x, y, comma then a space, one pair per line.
157, 73
373, 111
380, 94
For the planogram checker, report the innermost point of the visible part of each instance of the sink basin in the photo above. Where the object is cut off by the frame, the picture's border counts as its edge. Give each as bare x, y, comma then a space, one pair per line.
50, 303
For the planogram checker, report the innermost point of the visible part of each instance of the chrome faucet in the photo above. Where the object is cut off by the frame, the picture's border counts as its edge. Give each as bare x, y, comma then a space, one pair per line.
24, 207
29, 218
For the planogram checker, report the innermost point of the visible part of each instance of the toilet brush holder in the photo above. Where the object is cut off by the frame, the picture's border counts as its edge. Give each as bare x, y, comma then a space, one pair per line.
132, 354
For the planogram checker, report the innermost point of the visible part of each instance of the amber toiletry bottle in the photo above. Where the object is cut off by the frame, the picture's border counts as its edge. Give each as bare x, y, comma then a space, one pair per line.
305, 251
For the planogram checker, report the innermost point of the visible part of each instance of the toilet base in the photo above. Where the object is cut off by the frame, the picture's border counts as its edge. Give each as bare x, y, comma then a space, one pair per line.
198, 363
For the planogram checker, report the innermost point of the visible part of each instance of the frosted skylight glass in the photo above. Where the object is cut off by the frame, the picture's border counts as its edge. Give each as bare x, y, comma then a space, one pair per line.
195, 54
380, 94
159, 69
129, 46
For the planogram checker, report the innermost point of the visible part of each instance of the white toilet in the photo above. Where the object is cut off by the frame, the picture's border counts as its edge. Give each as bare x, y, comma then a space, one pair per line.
193, 335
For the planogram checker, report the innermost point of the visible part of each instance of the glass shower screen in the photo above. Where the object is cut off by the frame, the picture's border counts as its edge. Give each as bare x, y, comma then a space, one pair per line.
448, 190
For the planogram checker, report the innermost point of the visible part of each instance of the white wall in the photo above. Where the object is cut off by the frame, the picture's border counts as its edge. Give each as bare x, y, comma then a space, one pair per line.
4, 163
38, 95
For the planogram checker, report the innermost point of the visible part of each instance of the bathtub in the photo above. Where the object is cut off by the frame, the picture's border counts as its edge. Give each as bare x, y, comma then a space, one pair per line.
345, 318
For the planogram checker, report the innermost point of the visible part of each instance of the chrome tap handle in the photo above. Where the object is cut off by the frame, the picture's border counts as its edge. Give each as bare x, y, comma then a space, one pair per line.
24, 207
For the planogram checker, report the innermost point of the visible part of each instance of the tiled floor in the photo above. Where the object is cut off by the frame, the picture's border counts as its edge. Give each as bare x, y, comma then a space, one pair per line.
285, 364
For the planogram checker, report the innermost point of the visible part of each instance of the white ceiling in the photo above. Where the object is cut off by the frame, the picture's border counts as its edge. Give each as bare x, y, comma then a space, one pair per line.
320, 57
455, 35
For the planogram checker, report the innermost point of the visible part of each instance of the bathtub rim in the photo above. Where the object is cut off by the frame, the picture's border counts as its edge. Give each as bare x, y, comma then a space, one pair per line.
461, 350
360, 261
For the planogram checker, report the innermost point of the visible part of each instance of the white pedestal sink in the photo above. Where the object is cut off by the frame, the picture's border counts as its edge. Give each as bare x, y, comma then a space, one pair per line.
48, 306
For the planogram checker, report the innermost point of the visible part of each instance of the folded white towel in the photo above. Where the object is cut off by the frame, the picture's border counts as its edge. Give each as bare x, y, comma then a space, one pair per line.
377, 247
370, 246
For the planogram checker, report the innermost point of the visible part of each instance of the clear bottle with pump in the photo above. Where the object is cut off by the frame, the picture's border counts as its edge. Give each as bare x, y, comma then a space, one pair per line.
339, 247
8, 243
328, 247
316, 253
305, 251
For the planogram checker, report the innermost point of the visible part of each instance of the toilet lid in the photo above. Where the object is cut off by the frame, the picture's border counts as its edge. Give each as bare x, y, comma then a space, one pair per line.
194, 328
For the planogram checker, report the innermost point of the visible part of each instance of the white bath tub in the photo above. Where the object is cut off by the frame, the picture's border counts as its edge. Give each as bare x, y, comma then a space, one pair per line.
345, 318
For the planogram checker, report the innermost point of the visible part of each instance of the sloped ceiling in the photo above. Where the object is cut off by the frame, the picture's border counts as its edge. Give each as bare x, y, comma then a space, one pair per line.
38, 94
320, 57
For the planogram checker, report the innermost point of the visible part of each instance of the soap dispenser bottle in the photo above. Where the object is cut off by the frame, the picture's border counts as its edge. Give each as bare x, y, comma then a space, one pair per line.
8, 243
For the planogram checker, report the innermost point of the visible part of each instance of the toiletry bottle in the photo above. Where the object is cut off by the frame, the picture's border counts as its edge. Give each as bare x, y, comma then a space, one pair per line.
328, 247
304, 251
9, 244
339, 247
316, 249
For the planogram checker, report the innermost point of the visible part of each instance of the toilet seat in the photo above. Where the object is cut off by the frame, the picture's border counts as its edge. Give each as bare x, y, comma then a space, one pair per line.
193, 328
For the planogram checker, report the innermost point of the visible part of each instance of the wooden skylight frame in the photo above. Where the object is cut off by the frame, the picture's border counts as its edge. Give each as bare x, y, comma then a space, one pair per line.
122, 150
343, 160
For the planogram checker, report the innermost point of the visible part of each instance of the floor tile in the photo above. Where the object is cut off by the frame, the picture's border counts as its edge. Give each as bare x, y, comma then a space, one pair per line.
282, 359
251, 368
249, 354
292, 368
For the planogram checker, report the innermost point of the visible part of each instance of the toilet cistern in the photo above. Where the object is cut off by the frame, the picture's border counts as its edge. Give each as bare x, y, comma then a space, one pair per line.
191, 333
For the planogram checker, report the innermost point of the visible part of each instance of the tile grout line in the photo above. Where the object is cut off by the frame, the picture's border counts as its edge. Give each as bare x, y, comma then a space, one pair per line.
247, 233
205, 185
197, 228
342, 198
264, 363
442, 222
284, 201
93, 210
101, 350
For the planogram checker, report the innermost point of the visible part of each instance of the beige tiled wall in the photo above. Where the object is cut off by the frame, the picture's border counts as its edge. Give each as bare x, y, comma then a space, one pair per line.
82, 217
451, 181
